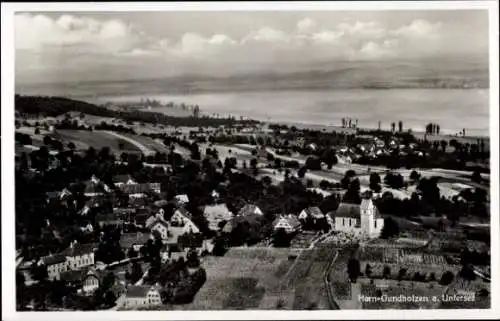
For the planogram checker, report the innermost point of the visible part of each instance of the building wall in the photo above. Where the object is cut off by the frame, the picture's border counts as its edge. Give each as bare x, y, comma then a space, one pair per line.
78, 262
347, 224
90, 284
54, 271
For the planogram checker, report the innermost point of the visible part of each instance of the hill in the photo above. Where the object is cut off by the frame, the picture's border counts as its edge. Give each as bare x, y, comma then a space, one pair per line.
55, 106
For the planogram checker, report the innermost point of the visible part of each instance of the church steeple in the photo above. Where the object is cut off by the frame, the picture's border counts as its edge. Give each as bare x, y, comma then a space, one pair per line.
367, 211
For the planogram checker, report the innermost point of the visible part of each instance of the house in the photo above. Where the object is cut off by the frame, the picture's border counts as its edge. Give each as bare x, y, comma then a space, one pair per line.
289, 223
215, 214
133, 240
56, 264
182, 218
140, 296
94, 187
108, 220
155, 187
361, 220
79, 255
250, 209
135, 190
215, 195
182, 199
311, 213
161, 227
87, 228
85, 281
120, 180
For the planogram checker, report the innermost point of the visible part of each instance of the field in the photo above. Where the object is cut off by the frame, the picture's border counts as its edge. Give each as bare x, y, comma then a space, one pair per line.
97, 139
264, 278
149, 143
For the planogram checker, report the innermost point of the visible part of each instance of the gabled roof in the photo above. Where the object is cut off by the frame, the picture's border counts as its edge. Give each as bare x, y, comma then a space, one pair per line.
127, 240
135, 188
290, 219
182, 198
248, 209
53, 259
92, 188
184, 212
124, 178
348, 210
314, 212
80, 249
158, 221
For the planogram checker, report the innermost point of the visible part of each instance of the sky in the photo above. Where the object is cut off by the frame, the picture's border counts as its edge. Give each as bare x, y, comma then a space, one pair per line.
89, 46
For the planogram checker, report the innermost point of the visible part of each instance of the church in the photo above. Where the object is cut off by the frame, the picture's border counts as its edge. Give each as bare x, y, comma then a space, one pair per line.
361, 220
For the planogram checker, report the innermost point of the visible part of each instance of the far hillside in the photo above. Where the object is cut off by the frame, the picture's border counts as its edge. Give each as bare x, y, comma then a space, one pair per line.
56, 106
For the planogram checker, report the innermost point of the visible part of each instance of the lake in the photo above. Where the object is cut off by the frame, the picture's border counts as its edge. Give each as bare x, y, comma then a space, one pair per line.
452, 109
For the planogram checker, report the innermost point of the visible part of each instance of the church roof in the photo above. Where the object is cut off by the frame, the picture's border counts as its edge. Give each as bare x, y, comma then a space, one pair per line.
349, 210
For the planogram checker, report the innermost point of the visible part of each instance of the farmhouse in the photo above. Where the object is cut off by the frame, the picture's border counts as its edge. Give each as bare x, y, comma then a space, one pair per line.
361, 220
79, 255
161, 227
311, 213
135, 190
182, 218
133, 240
182, 199
85, 281
94, 187
287, 222
250, 209
140, 296
120, 180
56, 264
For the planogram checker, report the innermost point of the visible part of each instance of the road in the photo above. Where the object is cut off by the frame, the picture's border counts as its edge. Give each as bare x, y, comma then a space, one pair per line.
146, 151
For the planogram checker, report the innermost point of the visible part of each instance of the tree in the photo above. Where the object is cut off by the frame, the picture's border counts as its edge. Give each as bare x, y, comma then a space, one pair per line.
253, 163
301, 172
402, 273
414, 176
47, 140
353, 269
400, 126
281, 238
37, 131
368, 270
476, 177
386, 272
352, 193
71, 146
390, 229
395, 181
444, 144
375, 182
135, 273
446, 278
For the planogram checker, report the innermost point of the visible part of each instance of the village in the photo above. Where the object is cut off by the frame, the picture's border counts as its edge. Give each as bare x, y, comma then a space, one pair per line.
115, 214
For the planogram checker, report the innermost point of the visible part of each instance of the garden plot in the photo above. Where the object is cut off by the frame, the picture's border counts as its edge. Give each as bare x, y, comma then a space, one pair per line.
242, 278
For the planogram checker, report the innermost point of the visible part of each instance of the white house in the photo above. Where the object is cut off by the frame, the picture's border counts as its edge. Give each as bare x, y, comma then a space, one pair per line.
55, 264
289, 223
250, 209
79, 255
161, 227
361, 220
182, 218
140, 296
182, 199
